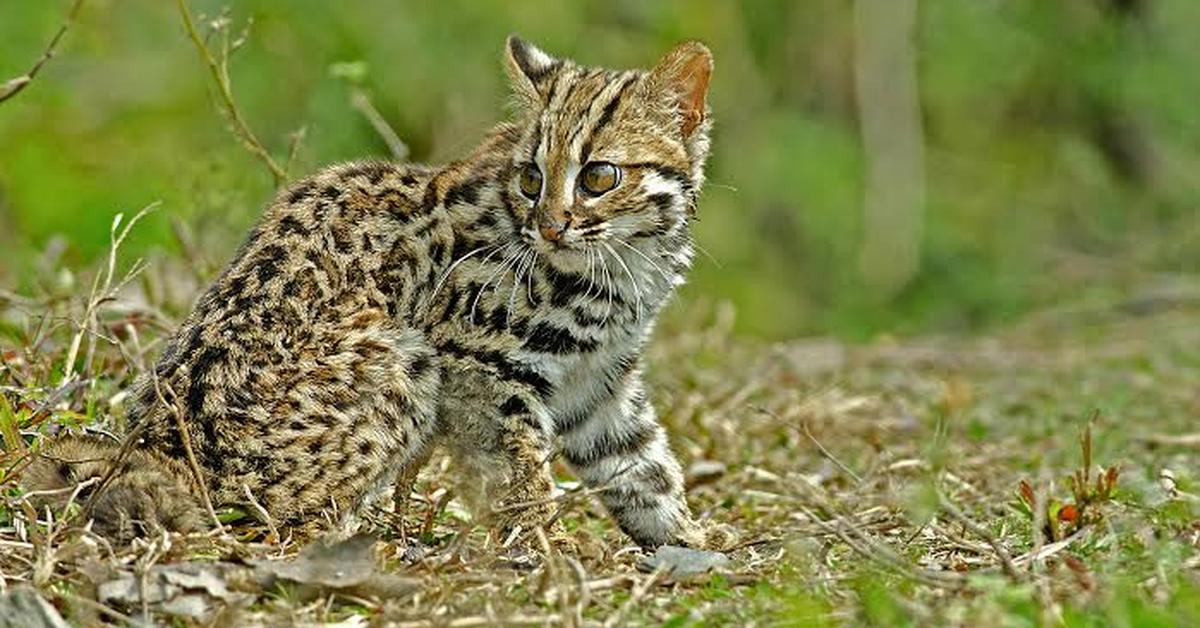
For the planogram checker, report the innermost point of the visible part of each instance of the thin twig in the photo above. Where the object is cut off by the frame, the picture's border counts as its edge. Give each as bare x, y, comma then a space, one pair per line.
186, 439
1171, 440
12, 87
635, 597
803, 429
1051, 549
127, 445
1001, 553
94, 605
102, 286
362, 102
872, 551
220, 76
262, 513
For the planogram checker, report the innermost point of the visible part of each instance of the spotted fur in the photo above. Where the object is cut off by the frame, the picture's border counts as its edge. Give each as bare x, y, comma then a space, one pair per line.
378, 310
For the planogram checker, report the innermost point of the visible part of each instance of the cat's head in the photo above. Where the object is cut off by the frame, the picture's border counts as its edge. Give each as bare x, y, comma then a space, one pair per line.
606, 154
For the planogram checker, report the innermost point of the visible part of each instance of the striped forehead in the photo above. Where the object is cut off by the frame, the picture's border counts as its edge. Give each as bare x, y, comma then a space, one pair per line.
581, 102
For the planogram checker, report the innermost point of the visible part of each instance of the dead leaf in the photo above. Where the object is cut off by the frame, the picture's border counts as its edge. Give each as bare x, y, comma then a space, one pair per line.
186, 589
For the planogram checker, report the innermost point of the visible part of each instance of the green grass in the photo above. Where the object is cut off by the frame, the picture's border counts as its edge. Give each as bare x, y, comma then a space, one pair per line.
812, 432
1026, 202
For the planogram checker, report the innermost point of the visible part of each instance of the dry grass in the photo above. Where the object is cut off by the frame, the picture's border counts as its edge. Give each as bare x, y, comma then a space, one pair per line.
925, 481
873, 483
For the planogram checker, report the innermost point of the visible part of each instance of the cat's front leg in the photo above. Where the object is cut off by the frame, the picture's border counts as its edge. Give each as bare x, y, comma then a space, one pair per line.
500, 437
526, 501
621, 449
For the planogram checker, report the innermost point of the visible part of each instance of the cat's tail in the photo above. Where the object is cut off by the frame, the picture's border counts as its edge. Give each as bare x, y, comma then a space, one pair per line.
145, 493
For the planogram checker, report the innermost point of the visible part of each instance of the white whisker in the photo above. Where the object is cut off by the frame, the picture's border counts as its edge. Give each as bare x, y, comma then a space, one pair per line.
499, 272
608, 285
591, 274
654, 264
637, 290
529, 279
707, 254
446, 275
521, 267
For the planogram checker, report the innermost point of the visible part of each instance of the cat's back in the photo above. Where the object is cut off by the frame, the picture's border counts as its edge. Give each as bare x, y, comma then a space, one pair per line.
333, 250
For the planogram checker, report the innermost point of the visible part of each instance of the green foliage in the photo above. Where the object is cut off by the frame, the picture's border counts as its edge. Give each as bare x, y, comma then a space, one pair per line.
1055, 131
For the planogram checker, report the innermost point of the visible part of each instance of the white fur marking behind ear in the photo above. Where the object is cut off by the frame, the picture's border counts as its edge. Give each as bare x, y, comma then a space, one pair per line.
654, 183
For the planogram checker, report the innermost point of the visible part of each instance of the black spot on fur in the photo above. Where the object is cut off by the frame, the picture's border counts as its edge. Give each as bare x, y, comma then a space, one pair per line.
429, 199
465, 193
266, 266
300, 192
437, 250
663, 201
485, 221
506, 368
374, 171
419, 365
290, 225
606, 116
343, 241
546, 338
205, 362
564, 286
514, 405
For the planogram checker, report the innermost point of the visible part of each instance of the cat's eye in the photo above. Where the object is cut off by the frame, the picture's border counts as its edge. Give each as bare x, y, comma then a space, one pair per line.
531, 181
599, 177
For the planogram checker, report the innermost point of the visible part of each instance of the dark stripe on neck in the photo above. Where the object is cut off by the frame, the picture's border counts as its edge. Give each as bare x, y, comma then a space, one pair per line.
547, 338
507, 369
564, 286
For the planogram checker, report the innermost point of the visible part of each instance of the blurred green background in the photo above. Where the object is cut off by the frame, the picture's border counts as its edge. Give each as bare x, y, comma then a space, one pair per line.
1061, 140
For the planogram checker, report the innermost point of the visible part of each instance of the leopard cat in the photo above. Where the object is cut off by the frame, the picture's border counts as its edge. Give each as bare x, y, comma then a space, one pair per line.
497, 306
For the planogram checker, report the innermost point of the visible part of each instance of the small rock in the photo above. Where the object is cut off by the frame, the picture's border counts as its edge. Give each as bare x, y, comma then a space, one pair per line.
24, 608
682, 563
705, 471
347, 566
414, 553
518, 558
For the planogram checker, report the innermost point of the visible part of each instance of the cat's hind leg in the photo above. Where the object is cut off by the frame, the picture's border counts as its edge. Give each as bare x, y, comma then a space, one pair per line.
355, 412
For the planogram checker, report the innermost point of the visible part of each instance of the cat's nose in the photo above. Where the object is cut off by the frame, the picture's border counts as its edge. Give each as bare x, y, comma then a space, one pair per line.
552, 231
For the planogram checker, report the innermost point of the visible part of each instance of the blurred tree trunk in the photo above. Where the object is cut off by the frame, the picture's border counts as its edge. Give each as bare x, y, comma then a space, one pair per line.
1114, 127
889, 114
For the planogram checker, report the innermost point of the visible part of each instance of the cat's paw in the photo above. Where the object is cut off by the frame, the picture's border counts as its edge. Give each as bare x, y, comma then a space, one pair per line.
720, 537
717, 537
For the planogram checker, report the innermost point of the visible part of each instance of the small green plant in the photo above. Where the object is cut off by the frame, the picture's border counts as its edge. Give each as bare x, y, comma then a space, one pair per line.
1064, 518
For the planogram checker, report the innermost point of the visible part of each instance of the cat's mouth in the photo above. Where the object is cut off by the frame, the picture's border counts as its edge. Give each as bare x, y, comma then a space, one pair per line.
559, 243
570, 240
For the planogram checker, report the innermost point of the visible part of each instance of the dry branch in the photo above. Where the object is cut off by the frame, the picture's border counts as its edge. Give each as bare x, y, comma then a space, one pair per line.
1002, 554
12, 87
219, 69
186, 439
103, 291
362, 102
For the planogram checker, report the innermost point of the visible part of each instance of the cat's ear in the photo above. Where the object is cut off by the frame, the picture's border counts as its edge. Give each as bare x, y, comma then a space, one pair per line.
529, 68
683, 75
